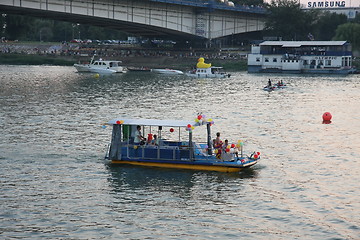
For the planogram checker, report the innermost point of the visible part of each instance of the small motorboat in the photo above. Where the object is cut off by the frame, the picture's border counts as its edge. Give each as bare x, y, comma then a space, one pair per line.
167, 71
139, 69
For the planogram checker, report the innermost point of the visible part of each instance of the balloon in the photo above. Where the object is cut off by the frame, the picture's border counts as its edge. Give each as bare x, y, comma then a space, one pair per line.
189, 125
197, 120
237, 145
228, 146
227, 149
258, 153
216, 151
118, 122
232, 145
192, 127
256, 156
171, 130
327, 116
199, 117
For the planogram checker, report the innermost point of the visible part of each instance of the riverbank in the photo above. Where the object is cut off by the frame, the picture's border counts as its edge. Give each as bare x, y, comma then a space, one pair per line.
29, 53
150, 62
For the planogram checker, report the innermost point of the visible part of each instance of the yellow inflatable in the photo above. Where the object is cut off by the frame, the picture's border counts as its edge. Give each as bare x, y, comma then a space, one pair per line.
201, 63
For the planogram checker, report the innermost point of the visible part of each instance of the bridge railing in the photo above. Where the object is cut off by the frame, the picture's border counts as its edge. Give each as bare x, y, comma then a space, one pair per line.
216, 5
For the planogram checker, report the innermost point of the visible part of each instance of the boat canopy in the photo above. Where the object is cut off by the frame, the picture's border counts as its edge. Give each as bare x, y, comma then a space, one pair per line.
152, 122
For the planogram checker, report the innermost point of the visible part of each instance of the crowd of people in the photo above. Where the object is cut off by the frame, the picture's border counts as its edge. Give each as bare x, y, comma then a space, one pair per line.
111, 52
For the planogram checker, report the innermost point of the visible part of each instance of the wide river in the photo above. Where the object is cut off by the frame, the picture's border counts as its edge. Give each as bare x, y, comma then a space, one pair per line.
55, 184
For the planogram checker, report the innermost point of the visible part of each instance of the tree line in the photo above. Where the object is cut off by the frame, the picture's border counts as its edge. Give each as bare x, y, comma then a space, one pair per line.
285, 20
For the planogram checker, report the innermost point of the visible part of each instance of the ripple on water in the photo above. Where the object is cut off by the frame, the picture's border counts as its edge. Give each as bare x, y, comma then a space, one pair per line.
55, 184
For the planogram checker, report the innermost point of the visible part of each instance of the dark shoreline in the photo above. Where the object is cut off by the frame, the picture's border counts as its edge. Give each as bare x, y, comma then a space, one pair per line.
150, 62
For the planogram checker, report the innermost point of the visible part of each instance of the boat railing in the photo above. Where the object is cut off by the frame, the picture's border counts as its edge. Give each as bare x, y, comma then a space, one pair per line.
172, 151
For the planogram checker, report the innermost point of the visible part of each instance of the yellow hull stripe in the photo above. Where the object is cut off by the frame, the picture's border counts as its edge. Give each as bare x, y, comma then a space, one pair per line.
180, 166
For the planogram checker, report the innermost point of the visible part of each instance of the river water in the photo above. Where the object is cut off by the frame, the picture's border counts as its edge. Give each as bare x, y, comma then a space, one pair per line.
55, 185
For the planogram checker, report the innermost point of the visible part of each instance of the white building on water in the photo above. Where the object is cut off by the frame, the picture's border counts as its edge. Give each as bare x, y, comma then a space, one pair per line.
328, 57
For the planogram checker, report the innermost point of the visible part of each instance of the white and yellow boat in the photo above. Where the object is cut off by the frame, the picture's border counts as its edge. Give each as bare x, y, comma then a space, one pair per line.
179, 152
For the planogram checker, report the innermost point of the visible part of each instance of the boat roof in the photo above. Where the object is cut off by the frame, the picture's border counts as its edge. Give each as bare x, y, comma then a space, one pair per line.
302, 43
152, 122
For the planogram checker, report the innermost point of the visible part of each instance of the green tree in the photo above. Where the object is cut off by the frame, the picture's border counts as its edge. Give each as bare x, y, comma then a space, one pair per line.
288, 21
18, 27
327, 24
349, 32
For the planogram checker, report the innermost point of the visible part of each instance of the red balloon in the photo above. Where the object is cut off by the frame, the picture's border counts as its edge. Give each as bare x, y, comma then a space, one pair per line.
327, 116
189, 125
171, 130
227, 150
117, 122
258, 153
256, 156
199, 117
232, 145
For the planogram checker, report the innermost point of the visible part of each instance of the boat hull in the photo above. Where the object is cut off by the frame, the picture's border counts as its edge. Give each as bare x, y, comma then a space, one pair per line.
167, 71
259, 69
218, 166
195, 75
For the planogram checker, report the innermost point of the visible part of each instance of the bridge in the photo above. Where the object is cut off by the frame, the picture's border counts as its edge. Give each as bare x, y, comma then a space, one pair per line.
183, 18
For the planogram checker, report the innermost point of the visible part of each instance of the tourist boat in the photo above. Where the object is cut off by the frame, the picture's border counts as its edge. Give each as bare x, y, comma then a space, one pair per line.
174, 147
101, 66
328, 57
210, 72
167, 71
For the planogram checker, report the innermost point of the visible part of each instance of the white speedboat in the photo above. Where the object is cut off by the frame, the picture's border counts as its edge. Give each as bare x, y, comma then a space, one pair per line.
210, 72
167, 71
101, 66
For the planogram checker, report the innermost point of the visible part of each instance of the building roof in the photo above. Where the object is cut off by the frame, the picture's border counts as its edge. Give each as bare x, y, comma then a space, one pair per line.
302, 43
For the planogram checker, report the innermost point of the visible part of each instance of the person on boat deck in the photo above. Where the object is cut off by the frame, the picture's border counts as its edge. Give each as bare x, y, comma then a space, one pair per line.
269, 83
226, 143
155, 140
218, 141
138, 137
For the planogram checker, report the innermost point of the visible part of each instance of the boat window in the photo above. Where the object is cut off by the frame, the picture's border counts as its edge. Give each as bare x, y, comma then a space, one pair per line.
306, 62
327, 62
274, 59
266, 59
96, 63
258, 59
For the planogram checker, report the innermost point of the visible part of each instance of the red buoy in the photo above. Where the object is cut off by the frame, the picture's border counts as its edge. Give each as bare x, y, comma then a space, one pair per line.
327, 116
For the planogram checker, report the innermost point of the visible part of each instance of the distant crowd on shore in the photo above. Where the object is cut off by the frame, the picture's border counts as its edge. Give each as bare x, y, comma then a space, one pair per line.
111, 52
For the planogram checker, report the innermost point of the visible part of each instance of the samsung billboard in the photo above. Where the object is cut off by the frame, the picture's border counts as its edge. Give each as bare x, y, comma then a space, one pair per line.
329, 4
